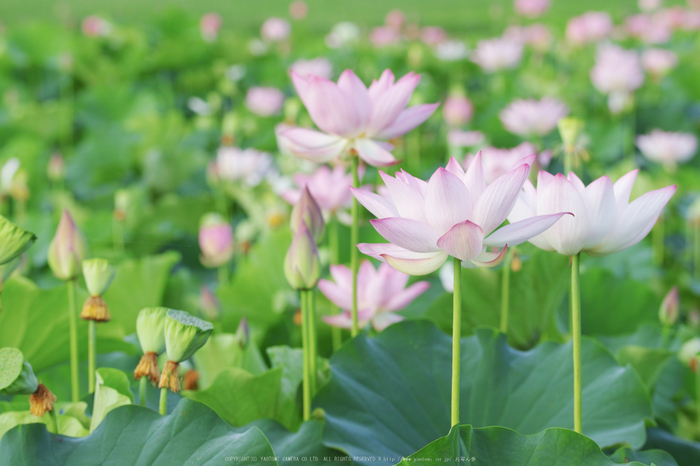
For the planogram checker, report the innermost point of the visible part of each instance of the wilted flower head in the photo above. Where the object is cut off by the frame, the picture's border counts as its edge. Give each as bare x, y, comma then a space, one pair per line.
383, 36
457, 110
668, 311
380, 293
589, 27
330, 188
668, 148
302, 266
249, 165
264, 101
451, 50
353, 117
307, 212
275, 30
150, 330
603, 222
454, 214
532, 117
317, 67
342, 34
215, 240
184, 335
497, 54
94, 26
532, 8
497, 162
209, 26
298, 9
659, 62
616, 70
67, 249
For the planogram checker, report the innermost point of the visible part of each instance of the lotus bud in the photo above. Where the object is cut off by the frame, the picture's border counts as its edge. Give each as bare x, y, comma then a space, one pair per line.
17, 378
302, 265
150, 329
689, 353
184, 335
569, 130
215, 240
457, 110
56, 169
209, 304
307, 211
668, 312
67, 249
242, 334
13, 240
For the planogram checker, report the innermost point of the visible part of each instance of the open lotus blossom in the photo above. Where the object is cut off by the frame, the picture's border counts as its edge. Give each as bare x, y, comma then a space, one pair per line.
668, 148
532, 8
209, 26
454, 214
532, 117
342, 34
317, 67
460, 138
651, 29
380, 293
275, 30
383, 36
298, 9
649, 5
537, 36
457, 110
658, 62
497, 54
249, 165
433, 35
496, 162
215, 240
353, 117
589, 27
616, 70
395, 19
330, 189
451, 50
603, 222
95, 26
264, 101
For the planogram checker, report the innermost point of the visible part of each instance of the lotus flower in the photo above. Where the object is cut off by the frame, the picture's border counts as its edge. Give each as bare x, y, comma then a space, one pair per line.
668, 148
535, 35
616, 70
330, 188
497, 162
94, 26
453, 214
659, 62
67, 249
264, 101
395, 19
531, 117
298, 9
275, 30
380, 293
342, 34
307, 212
457, 110
459, 138
451, 50
433, 35
668, 311
353, 117
383, 36
316, 67
209, 26
302, 266
589, 27
648, 28
497, 54
215, 240
249, 165
604, 220
532, 8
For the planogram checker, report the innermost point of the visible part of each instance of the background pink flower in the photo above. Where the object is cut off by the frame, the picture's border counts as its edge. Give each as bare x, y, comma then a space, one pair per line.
264, 101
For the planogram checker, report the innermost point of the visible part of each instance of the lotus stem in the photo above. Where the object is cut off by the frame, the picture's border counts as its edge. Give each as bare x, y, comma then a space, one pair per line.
456, 340
223, 275
576, 336
311, 313
505, 292
142, 391
163, 406
118, 234
306, 386
333, 245
54, 421
657, 242
354, 239
92, 343
696, 251
73, 323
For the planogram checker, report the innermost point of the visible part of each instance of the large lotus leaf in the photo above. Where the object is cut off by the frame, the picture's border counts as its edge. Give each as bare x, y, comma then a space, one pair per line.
224, 350
192, 435
13, 240
112, 391
71, 417
686, 452
390, 395
499, 446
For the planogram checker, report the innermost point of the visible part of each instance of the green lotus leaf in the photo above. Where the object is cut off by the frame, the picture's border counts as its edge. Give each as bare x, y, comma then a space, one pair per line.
13, 240
16, 375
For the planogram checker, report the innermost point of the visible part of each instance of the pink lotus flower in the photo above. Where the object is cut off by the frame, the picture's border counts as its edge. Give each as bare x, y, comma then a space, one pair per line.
457, 110
616, 70
67, 249
667, 147
451, 50
589, 27
307, 211
536, 35
209, 26
395, 19
353, 117
249, 165
302, 266
380, 293
383, 36
659, 62
94, 26
264, 101
215, 240
298, 9
649, 5
650, 29
532, 8
459, 138
275, 30
531, 117
668, 311
497, 162
454, 214
432, 35
497, 54
603, 222
330, 188
314, 67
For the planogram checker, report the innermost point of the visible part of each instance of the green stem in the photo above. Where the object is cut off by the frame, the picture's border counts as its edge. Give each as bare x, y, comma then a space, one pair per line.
505, 292
223, 275
456, 339
657, 245
354, 239
696, 251
310, 304
163, 406
54, 421
306, 386
92, 343
73, 323
142, 390
118, 234
665, 335
334, 245
568, 160
576, 334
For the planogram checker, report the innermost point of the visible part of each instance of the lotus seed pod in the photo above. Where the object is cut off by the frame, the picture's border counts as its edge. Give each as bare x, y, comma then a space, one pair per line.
307, 211
98, 275
569, 129
13, 240
150, 329
16, 375
302, 266
184, 334
67, 249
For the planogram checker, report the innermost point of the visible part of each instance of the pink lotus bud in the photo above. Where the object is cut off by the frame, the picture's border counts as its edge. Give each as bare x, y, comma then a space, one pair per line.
668, 312
459, 138
497, 54
211, 308
307, 212
532, 8
383, 36
215, 240
395, 19
433, 35
209, 26
275, 30
457, 111
242, 334
68, 249
589, 27
94, 26
298, 9
56, 168
649, 5
616, 70
264, 101
659, 62
302, 266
